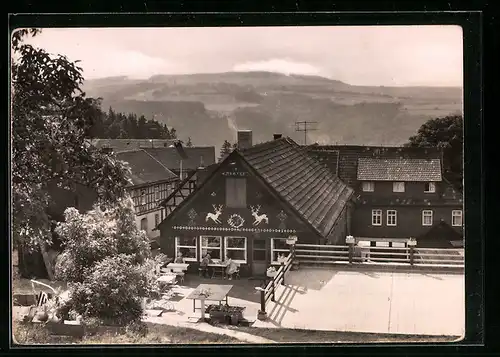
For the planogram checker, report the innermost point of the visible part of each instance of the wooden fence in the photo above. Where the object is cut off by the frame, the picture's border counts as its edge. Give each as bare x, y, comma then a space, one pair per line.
268, 292
349, 254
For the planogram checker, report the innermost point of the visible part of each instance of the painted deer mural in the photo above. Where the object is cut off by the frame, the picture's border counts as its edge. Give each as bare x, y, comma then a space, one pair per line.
214, 216
258, 217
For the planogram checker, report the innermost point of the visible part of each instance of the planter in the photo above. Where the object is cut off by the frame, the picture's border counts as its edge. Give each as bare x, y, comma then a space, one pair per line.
271, 275
291, 241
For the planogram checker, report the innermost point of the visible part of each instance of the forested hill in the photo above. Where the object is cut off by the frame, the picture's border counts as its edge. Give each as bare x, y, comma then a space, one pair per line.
209, 108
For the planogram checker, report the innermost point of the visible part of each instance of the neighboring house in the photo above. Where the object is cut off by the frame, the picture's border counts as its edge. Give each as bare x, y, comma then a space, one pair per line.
253, 200
151, 182
400, 191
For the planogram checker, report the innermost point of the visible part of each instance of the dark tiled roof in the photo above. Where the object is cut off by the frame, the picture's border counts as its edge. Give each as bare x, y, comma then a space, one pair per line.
330, 158
197, 156
145, 168
119, 145
409, 170
349, 155
307, 185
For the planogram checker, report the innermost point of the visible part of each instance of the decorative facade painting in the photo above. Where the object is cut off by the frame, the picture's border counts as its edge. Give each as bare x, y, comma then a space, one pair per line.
259, 218
192, 217
282, 218
236, 221
215, 216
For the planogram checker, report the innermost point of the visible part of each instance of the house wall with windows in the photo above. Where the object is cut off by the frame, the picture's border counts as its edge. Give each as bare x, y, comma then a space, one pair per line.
393, 221
146, 200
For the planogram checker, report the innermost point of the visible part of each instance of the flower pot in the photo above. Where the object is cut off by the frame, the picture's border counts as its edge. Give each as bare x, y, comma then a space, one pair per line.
271, 274
235, 318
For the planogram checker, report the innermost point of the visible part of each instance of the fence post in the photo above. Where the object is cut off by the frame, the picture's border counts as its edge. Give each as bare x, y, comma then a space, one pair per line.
262, 314
282, 280
412, 252
273, 298
350, 242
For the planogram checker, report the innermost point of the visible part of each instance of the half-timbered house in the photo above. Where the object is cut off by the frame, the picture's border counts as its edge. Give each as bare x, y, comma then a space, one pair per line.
150, 182
250, 203
401, 193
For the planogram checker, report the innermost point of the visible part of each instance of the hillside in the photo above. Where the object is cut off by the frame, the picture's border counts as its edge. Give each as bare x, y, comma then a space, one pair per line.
209, 108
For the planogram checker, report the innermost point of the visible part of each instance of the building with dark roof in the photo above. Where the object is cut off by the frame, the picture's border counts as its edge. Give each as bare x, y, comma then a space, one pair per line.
250, 203
400, 192
150, 183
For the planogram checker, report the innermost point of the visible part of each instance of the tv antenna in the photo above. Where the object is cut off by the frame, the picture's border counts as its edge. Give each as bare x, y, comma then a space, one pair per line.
305, 126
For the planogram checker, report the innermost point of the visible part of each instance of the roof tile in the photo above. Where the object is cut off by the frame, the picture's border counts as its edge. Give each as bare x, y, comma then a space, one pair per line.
308, 185
409, 170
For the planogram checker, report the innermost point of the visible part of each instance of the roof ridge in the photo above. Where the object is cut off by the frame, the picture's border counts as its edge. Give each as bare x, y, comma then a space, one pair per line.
151, 156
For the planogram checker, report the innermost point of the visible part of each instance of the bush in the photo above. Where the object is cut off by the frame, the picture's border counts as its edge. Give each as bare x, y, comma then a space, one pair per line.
112, 292
108, 260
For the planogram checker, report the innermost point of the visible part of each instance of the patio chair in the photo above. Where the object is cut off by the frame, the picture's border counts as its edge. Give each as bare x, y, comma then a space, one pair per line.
180, 274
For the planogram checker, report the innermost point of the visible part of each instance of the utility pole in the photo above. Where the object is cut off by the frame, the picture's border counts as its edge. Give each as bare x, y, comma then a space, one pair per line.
305, 126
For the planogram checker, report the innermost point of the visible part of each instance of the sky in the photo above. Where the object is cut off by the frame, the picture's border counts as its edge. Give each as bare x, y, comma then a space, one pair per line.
358, 55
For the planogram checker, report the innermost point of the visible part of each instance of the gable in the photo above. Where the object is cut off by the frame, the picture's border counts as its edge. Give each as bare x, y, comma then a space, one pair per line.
206, 208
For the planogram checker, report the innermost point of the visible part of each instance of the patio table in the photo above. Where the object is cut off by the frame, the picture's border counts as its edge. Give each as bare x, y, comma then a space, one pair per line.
167, 279
213, 292
217, 268
183, 266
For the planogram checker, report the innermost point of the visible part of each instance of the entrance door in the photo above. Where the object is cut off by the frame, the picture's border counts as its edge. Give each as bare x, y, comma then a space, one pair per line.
260, 257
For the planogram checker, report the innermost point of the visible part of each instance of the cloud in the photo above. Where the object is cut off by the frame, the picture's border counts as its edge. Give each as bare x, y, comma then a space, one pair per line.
284, 66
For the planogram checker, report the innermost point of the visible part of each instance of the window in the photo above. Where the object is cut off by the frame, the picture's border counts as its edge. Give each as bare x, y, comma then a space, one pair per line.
157, 219
278, 247
430, 187
143, 197
376, 217
211, 245
426, 218
188, 247
456, 218
236, 248
392, 216
368, 186
236, 192
398, 187
157, 193
144, 224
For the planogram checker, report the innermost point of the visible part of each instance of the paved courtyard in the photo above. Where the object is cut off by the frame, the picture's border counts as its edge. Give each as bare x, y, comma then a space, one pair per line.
340, 300
381, 302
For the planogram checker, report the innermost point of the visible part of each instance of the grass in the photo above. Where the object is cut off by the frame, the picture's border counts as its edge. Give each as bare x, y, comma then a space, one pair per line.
280, 335
30, 334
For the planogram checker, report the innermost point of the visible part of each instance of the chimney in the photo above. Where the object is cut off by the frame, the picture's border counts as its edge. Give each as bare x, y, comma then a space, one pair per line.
277, 136
244, 139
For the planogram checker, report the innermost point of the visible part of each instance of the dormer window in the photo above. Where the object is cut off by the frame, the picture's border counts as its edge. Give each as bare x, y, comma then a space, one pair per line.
398, 187
430, 187
368, 186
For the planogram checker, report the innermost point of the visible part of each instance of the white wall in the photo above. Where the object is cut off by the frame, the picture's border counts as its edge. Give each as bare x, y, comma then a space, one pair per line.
151, 223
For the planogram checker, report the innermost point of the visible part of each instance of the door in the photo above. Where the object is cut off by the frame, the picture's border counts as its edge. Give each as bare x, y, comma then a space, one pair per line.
260, 257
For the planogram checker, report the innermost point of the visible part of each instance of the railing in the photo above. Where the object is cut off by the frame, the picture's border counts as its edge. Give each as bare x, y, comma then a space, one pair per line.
268, 293
349, 254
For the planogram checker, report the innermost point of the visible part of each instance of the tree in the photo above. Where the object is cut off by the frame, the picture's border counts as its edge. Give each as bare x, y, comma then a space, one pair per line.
107, 260
51, 117
445, 133
189, 143
225, 150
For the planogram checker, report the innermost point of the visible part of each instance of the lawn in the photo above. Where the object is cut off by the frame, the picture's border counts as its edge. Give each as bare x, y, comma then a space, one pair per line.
281, 335
29, 334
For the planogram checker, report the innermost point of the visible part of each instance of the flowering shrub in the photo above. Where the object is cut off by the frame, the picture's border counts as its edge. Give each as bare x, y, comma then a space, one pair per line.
108, 260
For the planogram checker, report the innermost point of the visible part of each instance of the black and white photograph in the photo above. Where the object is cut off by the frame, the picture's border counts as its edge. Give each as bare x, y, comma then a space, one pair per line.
237, 185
